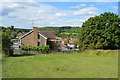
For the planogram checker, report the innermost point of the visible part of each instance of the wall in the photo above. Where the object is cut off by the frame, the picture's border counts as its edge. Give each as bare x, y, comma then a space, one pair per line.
28, 40
31, 39
43, 41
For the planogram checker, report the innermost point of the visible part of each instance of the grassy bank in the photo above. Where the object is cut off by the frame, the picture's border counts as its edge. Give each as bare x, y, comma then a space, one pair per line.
74, 65
101, 52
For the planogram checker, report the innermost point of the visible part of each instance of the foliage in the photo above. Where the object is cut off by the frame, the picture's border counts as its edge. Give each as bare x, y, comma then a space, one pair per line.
6, 45
101, 32
64, 32
43, 49
13, 35
98, 53
76, 42
12, 32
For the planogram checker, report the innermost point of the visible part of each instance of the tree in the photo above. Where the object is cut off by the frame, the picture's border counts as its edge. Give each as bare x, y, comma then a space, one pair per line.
76, 42
6, 45
12, 27
101, 32
13, 35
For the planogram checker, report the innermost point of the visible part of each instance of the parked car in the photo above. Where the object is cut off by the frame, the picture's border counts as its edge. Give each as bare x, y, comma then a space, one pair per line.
16, 43
67, 50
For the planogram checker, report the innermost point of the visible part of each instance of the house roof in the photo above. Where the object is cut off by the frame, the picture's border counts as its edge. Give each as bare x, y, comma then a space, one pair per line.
26, 34
48, 34
20, 34
65, 40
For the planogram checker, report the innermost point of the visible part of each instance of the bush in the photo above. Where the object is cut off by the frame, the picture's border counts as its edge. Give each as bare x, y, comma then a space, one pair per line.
98, 53
43, 49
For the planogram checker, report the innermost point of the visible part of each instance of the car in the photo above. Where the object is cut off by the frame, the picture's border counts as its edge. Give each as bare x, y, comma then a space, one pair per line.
16, 43
67, 50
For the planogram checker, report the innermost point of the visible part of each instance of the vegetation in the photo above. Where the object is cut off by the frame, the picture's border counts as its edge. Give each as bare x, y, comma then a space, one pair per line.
72, 65
101, 32
76, 42
7, 34
64, 32
6, 45
43, 49
12, 32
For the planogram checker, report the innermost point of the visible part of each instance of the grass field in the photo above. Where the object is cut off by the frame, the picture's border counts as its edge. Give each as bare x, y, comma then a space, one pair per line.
74, 65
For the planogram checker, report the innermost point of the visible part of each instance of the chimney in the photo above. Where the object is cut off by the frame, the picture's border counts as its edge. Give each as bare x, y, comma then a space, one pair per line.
35, 29
35, 36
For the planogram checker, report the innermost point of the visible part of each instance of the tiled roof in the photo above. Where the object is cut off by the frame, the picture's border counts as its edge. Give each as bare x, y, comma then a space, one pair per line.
21, 34
48, 34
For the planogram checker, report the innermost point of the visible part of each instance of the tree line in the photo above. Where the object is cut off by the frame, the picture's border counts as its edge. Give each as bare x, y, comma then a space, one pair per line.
64, 31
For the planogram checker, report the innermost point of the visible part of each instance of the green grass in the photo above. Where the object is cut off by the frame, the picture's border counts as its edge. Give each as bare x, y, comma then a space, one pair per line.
74, 65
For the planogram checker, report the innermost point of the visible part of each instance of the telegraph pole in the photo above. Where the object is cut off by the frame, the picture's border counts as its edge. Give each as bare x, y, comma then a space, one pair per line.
32, 23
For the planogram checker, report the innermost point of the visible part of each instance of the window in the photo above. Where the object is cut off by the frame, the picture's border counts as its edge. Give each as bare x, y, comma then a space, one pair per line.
38, 40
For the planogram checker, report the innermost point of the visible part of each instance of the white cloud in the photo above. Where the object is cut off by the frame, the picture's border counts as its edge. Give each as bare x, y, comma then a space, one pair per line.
22, 18
86, 11
42, 14
83, 5
41, 11
78, 6
14, 5
61, 14
74, 21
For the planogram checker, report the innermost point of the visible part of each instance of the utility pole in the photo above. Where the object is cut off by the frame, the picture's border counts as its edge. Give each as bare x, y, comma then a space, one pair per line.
32, 23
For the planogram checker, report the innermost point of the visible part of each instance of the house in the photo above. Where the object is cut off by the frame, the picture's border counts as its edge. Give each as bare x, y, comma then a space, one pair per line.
37, 38
20, 34
65, 41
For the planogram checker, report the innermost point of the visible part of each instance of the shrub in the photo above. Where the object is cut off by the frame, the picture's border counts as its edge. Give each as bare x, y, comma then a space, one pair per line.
98, 53
43, 49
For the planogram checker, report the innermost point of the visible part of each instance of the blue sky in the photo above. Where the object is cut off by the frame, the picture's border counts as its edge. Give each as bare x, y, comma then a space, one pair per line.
21, 14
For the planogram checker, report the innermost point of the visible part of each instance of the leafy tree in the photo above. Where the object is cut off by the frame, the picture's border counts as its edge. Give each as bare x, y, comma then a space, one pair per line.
12, 27
101, 32
13, 35
6, 45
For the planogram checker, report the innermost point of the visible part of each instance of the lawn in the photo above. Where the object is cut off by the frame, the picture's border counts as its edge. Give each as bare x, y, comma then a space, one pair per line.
74, 65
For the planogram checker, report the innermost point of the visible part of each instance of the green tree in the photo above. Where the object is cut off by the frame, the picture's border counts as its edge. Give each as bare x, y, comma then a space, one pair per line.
6, 45
101, 32
13, 35
12, 27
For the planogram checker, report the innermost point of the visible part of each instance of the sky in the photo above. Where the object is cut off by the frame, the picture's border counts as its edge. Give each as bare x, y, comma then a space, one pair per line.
29, 13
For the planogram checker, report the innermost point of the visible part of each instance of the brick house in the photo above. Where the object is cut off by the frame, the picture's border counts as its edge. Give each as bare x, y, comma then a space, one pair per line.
20, 34
37, 38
